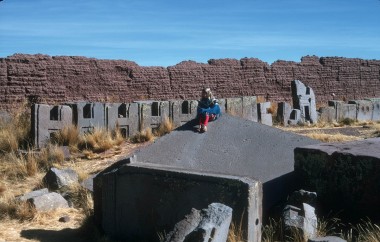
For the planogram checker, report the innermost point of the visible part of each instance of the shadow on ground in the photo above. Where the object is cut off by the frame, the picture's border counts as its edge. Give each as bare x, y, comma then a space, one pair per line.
64, 235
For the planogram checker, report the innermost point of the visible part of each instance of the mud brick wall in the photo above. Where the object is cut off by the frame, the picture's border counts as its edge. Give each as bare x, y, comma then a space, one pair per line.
60, 79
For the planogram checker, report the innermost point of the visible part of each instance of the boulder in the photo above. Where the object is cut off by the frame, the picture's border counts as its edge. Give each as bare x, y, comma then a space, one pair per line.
56, 178
48, 202
33, 194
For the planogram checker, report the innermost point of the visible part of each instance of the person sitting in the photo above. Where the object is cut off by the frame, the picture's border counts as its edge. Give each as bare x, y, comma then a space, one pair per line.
208, 109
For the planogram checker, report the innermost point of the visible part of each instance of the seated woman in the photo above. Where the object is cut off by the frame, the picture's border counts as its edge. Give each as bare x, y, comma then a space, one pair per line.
208, 109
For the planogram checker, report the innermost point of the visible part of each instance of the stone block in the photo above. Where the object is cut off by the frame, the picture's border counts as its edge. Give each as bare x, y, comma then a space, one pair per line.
249, 108
153, 113
364, 109
56, 178
124, 116
304, 100
343, 110
376, 109
48, 119
135, 201
32, 194
48, 202
89, 183
263, 116
234, 106
211, 224
88, 116
297, 198
345, 176
183, 111
327, 114
283, 113
222, 105
295, 117
327, 239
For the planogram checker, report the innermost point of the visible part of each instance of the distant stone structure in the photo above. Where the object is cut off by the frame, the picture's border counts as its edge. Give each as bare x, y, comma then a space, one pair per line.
60, 79
129, 118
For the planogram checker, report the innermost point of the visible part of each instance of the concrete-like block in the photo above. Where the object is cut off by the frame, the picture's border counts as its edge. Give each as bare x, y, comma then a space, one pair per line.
48, 119
343, 110
376, 108
183, 111
263, 116
283, 113
153, 113
32, 194
135, 201
48, 202
249, 108
364, 109
56, 178
295, 117
88, 116
124, 116
234, 106
344, 175
310, 221
304, 100
327, 239
211, 224
327, 114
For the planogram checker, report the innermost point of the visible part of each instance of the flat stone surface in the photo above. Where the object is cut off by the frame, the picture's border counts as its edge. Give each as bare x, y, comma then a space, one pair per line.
327, 239
231, 146
367, 148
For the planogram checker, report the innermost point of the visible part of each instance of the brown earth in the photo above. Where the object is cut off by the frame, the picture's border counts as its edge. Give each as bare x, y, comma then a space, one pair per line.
60, 79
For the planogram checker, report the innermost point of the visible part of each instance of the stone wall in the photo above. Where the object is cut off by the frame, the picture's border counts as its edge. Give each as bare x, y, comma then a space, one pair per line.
63, 78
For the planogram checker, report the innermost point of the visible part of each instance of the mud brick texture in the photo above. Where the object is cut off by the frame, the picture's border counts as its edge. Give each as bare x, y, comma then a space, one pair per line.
58, 79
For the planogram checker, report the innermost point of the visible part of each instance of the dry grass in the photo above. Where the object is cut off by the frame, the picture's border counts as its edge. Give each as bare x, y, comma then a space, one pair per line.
81, 198
165, 127
68, 136
236, 233
100, 140
143, 136
338, 137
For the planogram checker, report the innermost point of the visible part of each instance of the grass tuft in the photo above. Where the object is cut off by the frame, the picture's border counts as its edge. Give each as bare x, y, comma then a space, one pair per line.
68, 136
143, 136
165, 127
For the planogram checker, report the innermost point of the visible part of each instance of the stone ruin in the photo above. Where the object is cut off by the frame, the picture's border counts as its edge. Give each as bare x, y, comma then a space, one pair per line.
130, 118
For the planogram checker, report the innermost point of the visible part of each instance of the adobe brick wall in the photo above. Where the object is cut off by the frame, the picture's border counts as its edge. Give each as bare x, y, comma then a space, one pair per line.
62, 78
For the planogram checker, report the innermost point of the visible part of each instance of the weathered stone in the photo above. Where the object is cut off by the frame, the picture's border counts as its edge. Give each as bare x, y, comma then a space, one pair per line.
345, 175
304, 100
88, 183
263, 116
295, 117
153, 113
32, 194
46, 120
124, 116
56, 178
310, 221
48, 202
303, 219
211, 224
343, 110
88, 115
283, 113
136, 200
184, 227
364, 109
327, 114
376, 108
327, 239
183, 111
302, 196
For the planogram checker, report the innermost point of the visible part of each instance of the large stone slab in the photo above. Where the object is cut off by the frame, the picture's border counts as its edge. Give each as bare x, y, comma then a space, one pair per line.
345, 175
183, 111
136, 201
232, 146
124, 116
364, 109
48, 202
304, 100
88, 115
48, 119
153, 113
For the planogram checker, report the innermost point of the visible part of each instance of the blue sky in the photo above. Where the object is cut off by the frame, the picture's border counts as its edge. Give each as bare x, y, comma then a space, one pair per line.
163, 33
